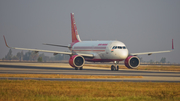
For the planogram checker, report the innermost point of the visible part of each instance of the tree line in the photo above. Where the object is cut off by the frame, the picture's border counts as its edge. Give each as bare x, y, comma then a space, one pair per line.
33, 56
163, 60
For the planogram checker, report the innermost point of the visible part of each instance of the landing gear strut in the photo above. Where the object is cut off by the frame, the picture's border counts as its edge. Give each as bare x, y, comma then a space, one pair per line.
115, 66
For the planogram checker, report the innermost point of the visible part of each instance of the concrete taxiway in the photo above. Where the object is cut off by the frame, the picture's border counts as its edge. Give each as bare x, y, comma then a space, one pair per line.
64, 68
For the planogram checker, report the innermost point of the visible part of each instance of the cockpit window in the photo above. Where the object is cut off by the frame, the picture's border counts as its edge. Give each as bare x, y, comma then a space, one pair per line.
119, 47
114, 47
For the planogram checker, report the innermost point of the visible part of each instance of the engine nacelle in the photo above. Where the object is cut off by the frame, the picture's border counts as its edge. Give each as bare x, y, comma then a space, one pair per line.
76, 61
132, 62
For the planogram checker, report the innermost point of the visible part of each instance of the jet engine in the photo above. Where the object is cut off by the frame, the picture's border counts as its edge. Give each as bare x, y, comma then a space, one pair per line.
76, 61
132, 62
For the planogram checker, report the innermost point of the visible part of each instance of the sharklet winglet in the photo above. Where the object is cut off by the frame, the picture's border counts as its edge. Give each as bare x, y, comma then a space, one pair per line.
6, 42
172, 45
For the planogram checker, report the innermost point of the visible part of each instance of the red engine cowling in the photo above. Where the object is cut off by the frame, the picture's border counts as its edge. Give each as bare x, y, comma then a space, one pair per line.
132, 62
76, 61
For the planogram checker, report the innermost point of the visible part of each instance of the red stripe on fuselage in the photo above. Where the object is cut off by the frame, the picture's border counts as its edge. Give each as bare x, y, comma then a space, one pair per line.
88, 50
103, 60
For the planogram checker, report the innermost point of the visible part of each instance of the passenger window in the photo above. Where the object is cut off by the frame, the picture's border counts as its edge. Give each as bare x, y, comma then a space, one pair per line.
119, 47
124, 47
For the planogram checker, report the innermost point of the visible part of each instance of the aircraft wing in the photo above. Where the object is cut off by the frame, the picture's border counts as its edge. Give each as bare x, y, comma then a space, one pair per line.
149, 53
48, 51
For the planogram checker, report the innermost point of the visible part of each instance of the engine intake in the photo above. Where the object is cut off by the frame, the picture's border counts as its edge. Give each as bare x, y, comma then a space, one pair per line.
76, 61
132, 62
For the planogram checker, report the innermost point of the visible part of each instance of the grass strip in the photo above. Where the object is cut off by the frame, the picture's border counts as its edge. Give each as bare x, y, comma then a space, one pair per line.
37, 90
64, 76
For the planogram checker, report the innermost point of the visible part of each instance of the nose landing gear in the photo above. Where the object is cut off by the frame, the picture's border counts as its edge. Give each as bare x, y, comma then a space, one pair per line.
115, 66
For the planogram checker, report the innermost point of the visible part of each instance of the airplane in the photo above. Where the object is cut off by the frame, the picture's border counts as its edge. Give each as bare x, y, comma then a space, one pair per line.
95, 51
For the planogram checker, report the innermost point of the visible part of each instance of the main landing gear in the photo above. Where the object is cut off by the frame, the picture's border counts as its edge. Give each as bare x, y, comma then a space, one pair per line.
80, 68
115, 66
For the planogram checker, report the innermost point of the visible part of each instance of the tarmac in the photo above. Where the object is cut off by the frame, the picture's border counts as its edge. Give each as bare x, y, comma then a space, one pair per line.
64, 68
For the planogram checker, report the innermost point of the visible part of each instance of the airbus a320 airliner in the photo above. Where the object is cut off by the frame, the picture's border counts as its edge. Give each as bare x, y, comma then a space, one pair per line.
96, 51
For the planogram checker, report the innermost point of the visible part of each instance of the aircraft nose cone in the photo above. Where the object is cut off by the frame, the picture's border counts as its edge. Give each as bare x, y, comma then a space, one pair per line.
124, 54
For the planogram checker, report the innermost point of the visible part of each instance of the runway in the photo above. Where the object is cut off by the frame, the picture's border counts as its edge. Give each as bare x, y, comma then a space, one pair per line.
64, 68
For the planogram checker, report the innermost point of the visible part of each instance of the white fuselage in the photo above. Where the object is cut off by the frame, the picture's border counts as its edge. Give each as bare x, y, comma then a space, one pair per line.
103, 51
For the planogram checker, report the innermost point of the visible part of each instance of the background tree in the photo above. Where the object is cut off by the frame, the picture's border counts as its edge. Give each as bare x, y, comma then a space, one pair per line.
34, 56
14, 58
58, 57
151, 61
40, 59
9, 55
44, 58
27, 55
22, 54
141, 59
18, 55
163, 60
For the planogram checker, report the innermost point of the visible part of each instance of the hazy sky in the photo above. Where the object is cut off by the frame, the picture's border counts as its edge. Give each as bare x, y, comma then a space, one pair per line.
143, 25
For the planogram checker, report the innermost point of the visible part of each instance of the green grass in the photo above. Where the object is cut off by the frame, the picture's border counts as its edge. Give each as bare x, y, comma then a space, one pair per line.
35, 90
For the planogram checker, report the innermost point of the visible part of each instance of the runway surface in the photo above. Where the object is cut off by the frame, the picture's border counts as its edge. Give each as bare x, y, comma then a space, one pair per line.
64, 68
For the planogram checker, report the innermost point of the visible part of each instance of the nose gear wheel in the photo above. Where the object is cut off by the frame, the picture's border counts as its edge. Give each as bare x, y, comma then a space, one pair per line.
115, 66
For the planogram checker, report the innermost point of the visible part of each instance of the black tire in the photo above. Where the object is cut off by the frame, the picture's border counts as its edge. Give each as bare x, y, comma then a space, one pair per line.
112, 67
117, 68
76, 68
81, 68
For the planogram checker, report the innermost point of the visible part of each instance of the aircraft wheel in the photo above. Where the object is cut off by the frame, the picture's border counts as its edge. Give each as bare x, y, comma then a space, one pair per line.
81, 68
117, 68
76, 68
112, 67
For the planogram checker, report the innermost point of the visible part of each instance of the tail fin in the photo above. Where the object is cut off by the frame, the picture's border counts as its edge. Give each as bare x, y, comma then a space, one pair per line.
75, 36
